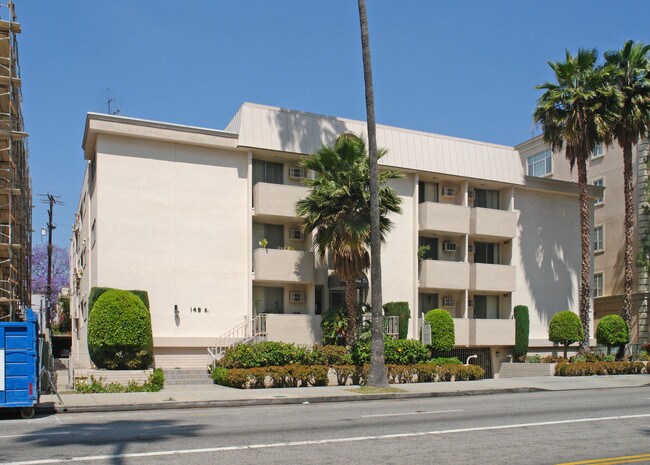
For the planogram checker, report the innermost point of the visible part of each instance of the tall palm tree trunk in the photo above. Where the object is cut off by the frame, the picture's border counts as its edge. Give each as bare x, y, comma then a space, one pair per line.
377, 375
628, 277
351, 307
585, 243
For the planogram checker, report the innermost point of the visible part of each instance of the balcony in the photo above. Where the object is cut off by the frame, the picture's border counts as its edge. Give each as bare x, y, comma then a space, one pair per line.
488, 222
277, 200
484, 332
439, 274
496, 278
445, 218
288, 266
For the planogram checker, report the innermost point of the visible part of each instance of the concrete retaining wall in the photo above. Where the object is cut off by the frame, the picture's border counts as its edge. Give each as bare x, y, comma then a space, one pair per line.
113, 376
526, 370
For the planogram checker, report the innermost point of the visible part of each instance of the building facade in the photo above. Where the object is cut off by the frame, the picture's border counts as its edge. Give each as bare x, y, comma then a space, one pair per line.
204, 221
605, 169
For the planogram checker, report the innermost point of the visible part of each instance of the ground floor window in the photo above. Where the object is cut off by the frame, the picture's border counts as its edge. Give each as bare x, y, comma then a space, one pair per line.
268, 299
427, 302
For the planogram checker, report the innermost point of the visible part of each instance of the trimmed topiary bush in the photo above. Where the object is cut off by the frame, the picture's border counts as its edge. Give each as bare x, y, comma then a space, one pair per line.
522, 329
400, 309
119, 332
96, 292
612, 331
565, 328
442, 329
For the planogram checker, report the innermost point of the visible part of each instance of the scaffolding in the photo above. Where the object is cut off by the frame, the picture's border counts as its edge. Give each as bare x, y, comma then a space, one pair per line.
15, 182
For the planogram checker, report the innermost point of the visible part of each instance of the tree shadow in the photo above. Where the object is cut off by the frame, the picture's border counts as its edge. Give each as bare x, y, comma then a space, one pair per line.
551, 269
119, 435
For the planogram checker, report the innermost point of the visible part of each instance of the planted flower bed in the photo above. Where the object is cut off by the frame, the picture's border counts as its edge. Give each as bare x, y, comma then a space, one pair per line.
599, 368
275, 364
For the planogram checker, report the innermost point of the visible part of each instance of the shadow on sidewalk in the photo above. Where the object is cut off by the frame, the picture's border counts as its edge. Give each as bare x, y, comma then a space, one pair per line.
118, 434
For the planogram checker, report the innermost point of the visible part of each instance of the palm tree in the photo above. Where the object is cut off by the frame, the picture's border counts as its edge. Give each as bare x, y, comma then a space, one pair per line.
377, 376
579, 111
633, 82
338, 210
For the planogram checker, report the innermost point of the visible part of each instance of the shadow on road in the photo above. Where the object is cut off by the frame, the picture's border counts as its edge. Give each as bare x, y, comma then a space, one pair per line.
119, 435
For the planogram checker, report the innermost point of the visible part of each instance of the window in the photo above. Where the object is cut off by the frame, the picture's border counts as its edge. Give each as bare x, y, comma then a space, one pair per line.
486, 198
427, 192
486, 253
266, 171
598, 152
599, 282
432, 243
599, 238
272, 233
268, 299
486, 306
541, 164
600, 182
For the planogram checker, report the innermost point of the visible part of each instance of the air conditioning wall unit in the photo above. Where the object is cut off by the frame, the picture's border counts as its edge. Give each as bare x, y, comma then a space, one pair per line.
470, 303
296, 235
471, 194
471, 248
448, 192
296, 172
449, 246
296, 297
448, 302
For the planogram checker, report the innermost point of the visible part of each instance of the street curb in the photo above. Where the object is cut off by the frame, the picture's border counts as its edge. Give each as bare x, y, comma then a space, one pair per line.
52, 408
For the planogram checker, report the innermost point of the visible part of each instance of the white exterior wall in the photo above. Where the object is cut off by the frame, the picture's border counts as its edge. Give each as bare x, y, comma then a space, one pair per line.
546, 253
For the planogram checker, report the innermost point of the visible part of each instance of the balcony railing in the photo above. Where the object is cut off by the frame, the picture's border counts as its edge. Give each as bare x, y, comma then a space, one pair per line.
493, 223
439, 274
277, 200
442, 217
292, 266
496, 278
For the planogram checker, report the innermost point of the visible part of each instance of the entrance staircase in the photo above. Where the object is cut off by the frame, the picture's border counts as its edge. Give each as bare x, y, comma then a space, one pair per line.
253, 330
186, 377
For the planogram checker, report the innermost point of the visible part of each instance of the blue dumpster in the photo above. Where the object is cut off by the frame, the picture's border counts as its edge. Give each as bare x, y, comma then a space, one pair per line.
19, 365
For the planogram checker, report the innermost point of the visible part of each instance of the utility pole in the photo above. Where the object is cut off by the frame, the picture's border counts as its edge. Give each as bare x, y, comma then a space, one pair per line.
52, 200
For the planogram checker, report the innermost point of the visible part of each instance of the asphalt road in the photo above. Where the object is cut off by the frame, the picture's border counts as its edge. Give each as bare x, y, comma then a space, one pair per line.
532, 428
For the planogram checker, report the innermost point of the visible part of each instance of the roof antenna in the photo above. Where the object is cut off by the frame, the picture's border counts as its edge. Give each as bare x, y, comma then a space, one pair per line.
109, 102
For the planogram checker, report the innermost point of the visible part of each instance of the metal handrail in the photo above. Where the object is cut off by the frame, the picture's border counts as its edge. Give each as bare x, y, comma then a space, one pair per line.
249, 331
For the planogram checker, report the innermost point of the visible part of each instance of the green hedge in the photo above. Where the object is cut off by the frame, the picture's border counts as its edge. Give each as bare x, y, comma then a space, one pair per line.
599, 368
397, 351
400, 309
269, 353
271, 376
522, 330
119, 332
442, 329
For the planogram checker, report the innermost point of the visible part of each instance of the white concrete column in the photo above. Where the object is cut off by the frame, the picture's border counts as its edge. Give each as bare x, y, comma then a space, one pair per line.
413, 327
464, 307
463, 190
249, 234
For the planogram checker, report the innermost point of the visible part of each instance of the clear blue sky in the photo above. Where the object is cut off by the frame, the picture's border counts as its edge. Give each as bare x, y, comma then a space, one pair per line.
461, 68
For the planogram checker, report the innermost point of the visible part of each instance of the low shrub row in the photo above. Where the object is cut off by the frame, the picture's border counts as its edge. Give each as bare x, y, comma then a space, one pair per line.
155, 383
317, 375
599, 368
272, 376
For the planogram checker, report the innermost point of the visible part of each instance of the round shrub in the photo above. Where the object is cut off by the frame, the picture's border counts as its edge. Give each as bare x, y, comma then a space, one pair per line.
442, 329
565, 328
612, 331
119, 332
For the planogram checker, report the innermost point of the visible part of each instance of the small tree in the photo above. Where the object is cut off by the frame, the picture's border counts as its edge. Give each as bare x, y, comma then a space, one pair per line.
522, 329
443, 337
565, 328
612, 331
401, 310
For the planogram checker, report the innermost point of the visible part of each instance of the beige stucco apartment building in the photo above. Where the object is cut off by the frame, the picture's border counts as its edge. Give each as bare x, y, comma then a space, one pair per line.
605, 169
182, 213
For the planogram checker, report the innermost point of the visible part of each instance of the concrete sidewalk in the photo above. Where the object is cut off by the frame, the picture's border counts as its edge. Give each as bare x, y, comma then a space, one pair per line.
202, 396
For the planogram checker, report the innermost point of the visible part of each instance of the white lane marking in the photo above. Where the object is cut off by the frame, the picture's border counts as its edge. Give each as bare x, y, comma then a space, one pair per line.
409, 413
34, 434
208, 450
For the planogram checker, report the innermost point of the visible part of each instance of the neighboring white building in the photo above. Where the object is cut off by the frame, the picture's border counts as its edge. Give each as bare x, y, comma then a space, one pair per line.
180, 211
